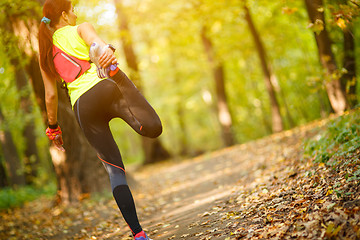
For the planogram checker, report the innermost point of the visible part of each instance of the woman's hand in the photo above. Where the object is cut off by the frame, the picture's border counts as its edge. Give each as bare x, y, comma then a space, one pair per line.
107, 58
58, 142
87, 33
55, 135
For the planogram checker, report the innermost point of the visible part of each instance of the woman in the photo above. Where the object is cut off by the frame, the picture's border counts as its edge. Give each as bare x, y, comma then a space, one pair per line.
95, 100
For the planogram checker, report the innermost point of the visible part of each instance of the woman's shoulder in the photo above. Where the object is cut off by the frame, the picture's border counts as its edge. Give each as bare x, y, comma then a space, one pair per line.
84, 26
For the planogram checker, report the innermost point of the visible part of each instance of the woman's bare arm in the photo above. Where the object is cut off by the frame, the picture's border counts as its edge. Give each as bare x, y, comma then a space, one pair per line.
51, 102
51, 98
88, 33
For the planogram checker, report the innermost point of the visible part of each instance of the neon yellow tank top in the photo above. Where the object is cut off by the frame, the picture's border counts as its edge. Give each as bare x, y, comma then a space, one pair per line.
68, 40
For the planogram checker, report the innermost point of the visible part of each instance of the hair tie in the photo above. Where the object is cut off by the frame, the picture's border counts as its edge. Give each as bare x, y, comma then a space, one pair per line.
45, 20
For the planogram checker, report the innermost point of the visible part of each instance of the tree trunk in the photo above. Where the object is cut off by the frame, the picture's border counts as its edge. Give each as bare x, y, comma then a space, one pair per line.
183, 139
31, 156
153, 149
78, 170
182, 135
348, 80
11, 156
332, 82
180, 113
269, 76
3, 174
224, 115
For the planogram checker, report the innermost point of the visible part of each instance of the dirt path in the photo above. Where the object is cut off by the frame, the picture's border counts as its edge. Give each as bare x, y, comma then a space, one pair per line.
259, 190
185, 198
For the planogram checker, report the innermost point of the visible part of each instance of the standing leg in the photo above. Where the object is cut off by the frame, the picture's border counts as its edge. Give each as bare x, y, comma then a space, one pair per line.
123, 197
93, 117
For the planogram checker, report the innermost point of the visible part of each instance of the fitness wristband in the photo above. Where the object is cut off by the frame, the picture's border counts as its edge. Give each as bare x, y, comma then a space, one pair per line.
53, 133
53, 126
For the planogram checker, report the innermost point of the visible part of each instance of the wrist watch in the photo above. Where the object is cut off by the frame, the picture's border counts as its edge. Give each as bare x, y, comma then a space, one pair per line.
111, 47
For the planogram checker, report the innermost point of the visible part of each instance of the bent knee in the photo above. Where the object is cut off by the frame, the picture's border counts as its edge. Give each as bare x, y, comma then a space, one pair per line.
152, 130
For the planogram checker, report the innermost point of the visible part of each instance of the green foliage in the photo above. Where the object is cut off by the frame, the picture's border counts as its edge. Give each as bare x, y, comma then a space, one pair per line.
177, 78
10, 197
175, 72
17, 9
13, 12
341, 138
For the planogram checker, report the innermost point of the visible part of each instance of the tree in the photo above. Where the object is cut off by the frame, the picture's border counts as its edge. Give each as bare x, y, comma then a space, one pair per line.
335, 92
180, 112
348, 79
344, 13
217, 67
269, 76
153, 149
3, 174
11, 156
75, 169
31, 156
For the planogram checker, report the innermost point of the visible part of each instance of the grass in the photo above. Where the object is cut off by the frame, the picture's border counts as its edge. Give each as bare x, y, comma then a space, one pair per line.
340, 139
16, 197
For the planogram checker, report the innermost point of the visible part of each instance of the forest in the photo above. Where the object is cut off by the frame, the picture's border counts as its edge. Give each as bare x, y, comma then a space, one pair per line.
219, 74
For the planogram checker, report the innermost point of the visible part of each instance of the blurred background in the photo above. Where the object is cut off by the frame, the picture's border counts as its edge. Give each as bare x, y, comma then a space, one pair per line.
219, 73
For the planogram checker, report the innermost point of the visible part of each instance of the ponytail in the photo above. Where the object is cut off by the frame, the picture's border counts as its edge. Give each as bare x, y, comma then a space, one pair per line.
52, 11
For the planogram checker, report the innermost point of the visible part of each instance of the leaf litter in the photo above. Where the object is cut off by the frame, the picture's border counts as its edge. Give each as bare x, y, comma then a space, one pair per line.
263, 189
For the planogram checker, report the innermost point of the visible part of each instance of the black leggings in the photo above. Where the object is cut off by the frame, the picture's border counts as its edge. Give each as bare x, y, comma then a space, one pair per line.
112, 98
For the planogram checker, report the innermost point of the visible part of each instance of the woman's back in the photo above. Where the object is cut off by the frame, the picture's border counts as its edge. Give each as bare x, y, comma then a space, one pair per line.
68, 40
